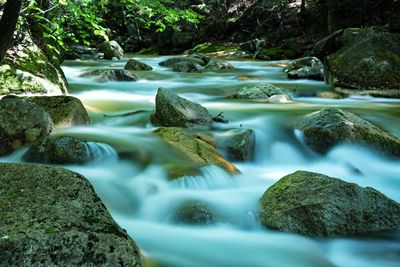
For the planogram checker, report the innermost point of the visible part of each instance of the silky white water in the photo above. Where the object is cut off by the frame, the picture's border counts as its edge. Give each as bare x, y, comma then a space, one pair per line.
136, 190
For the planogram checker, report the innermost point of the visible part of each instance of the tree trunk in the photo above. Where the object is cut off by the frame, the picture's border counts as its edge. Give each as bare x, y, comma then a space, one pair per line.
8, 23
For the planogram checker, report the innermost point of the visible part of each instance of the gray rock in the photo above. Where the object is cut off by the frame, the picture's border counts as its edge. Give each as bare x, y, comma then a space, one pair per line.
218, 64
305, 68
238, 144
104, 75
172, 61
259, 91
331, 126
52, 217
187, 67
195, 213
81, 52
175, 111
280, 99
202, 57
134, 64
111, 49
65, 111
21, 123
251, 46
317, 205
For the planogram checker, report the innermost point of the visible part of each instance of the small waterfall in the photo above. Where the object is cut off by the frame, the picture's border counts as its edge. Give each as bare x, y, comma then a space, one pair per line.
99, 151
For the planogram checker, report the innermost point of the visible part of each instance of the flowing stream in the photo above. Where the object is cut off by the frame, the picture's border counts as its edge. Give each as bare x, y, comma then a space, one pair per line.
142, 200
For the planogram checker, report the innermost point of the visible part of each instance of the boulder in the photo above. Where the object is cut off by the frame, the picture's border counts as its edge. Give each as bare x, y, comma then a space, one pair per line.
134, 64
258, 91
329, 95
21, 123
175, 111
280, 99
318, 205
202, 57
305, 68
194, 149
251, 46
53, 217
59, 150
175, 60
195, 213
187, 67
111, 49
238, 144
331, 126
218, 64
82, 53
104, 75
368, 60
65, 111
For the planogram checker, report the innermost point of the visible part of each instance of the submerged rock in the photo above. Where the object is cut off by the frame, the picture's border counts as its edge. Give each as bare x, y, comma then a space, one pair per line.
175, 60
52, 217
259, 91
105, 75
305, 68
317, 205
21, 123
194, 149
175, 111
195, 213
331, 126
134, 64
238, 144
218, 64
65, 111
111, 49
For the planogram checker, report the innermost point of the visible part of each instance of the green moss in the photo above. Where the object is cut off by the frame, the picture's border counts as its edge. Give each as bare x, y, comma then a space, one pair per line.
211, 47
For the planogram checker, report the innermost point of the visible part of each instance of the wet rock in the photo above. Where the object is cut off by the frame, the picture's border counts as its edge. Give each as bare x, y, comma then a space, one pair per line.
175, 111
111, 49
194, 149
331, 126
195, 213
65, 111
81, 52
202, 57
238, 144
251, 46
175, 60
104, 75
317, 205
259, 91
368, 60
329, 95
52, 217
59, 150
134, 64
305, 68
218, 64
187, 67
280, 99
21, 123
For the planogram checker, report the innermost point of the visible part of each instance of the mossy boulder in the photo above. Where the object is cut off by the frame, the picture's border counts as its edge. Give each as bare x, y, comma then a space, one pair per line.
368, 60
258, 91
104, 75
59, 150
305, 68
331, 126
238, 144
175, 111
318, 205
169, 63
65, 111
53, 217
218, 64
111, 49
194, 213
202, 57
194, 149
134, 64
22, 123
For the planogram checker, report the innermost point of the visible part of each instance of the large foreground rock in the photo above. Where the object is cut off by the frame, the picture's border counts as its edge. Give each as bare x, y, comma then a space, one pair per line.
52, 217
331, 126
175, 111
368, 60
317, 205
21, 123
194, 149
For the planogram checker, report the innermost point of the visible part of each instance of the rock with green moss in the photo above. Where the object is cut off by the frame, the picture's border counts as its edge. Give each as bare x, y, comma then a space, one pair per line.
218, 64
169, 63
111, 49
104, 75
134, 64
259, 91
194, 149
175, 111
305, 68
22, 123
212, 48
65, 111
331, 126
318, 205
238, 144
53, 217
195, 213
368, 60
